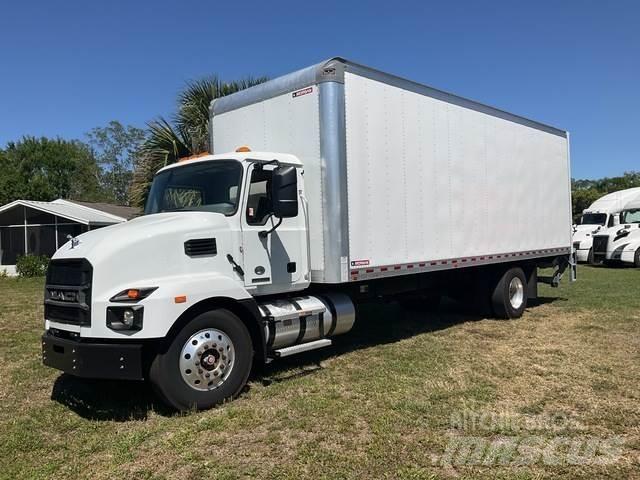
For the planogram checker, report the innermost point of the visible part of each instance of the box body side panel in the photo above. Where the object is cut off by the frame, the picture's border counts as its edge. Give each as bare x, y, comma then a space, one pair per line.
287, 123
429, 180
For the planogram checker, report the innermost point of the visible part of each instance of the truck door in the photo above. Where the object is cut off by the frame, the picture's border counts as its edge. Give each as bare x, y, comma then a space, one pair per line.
278, 258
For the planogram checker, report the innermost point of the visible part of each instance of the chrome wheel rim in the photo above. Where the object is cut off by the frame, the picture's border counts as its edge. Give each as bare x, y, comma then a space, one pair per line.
516, 293
207, 359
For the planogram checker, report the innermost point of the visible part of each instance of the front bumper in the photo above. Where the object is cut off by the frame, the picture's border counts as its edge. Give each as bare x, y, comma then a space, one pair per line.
122, 361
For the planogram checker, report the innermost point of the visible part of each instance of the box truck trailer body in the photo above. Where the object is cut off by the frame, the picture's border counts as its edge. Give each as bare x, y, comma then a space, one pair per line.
334, 185
399, 174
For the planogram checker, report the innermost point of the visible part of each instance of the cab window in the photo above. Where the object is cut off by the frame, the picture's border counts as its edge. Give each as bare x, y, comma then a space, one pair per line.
259, 206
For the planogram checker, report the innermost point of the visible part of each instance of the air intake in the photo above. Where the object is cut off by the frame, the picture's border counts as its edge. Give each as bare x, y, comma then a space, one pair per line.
200, 247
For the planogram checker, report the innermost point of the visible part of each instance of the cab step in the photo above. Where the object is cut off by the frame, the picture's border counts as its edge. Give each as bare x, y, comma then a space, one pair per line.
303, 347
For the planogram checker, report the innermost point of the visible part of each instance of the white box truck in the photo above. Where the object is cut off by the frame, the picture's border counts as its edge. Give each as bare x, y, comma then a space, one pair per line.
602, 214
331, 186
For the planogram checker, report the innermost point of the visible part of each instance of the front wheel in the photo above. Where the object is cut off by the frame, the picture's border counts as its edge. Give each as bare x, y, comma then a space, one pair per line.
207, 362
636, 259
509, 297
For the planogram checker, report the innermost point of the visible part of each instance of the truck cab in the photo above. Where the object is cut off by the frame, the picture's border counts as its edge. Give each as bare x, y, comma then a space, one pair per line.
602, 214
178, 285
621, 244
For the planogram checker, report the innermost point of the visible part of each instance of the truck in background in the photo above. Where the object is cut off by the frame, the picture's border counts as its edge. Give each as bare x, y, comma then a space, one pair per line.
621, 243
331, 186
602, 214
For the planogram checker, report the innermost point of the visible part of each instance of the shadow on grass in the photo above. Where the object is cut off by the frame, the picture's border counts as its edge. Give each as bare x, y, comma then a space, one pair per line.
114, 400
380, 324
377, 324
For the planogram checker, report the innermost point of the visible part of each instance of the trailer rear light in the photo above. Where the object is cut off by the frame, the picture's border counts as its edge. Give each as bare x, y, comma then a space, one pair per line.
133, 294
243, 149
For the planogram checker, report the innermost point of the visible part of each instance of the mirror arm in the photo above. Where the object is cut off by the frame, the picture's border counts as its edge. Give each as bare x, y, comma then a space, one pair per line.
265, 233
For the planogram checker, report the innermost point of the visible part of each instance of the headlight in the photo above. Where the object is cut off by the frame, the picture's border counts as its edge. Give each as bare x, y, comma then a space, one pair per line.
125, 318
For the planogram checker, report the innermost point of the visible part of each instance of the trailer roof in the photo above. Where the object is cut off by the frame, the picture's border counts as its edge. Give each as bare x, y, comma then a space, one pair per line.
333, 70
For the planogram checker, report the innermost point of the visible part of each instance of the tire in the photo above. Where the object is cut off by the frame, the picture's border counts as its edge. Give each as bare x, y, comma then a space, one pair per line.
509, 297
636, 259
216, 366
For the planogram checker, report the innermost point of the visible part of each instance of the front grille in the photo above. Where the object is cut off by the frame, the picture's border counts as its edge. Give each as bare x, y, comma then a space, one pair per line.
600, 243
67, 293
200, 246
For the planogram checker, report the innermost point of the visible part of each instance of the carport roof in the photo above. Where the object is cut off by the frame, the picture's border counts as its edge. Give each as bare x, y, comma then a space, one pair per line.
80, 213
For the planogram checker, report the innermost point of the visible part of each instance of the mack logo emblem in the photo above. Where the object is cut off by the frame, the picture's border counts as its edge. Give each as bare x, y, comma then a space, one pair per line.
63, 295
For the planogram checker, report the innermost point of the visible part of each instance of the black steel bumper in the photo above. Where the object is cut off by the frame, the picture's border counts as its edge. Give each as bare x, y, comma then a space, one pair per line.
93, 360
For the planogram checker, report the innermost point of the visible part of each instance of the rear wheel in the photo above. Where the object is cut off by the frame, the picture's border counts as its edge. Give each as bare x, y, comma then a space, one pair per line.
207, 362
636, 259
509, 297
590, 257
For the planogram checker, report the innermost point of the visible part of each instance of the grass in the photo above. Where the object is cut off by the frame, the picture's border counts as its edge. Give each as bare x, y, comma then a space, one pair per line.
383, 403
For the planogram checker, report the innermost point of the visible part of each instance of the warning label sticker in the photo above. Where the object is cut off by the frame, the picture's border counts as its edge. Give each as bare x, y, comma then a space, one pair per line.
304, 91
359, 263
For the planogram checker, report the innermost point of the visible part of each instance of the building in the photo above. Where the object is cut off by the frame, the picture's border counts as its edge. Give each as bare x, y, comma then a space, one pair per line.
28, 227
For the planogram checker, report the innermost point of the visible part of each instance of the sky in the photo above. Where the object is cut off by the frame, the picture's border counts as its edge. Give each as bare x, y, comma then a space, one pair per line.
67, 66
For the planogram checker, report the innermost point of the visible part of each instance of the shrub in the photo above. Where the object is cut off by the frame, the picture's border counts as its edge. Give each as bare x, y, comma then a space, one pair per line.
32, 265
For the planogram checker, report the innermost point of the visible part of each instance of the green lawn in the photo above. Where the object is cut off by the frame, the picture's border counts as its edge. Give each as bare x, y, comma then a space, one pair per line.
385, 402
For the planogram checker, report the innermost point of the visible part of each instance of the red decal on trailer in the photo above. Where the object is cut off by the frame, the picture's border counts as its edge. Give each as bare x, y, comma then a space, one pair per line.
304, 91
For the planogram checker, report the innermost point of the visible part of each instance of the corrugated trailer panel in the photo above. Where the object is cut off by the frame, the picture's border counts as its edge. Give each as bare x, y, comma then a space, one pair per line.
281, 124
429, 179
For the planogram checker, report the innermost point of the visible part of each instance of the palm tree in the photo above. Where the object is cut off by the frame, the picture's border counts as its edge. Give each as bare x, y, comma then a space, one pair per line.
187, 133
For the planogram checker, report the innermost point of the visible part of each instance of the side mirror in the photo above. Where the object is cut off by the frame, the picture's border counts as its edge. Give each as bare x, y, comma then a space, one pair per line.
284, 192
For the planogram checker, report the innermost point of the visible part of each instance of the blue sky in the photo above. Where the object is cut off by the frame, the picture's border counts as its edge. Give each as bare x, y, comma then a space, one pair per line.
67, 66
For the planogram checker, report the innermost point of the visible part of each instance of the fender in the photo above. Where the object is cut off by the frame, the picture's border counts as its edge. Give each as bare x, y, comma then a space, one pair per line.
246, 309
628, 253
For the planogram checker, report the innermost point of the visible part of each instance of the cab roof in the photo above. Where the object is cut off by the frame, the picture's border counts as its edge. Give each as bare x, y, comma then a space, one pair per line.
283, 158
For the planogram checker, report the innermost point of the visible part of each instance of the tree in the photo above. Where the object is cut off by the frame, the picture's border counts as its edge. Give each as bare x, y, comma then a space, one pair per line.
186, 134
45, 169
116, 147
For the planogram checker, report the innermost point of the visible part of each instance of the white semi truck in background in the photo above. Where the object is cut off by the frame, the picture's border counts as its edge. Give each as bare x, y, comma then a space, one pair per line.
350, 185
602, 214
621, 243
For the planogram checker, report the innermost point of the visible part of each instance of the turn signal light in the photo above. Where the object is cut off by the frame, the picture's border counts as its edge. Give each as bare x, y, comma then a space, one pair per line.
133, 294
180, 299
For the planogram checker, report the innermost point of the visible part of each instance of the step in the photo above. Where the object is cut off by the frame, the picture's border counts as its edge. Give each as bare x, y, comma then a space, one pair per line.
303, 347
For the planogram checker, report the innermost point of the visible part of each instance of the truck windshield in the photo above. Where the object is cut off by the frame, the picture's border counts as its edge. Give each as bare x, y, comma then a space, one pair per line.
593, 219
630, 216
204, 186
